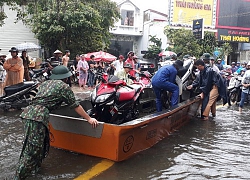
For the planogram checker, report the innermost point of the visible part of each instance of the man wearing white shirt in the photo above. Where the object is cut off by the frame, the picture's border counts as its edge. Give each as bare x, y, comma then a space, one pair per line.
213, 65
118, 64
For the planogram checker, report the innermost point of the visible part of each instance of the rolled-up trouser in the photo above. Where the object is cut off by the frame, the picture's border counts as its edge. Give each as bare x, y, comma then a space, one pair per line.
243, 99
34, 149
209, 102
167, 86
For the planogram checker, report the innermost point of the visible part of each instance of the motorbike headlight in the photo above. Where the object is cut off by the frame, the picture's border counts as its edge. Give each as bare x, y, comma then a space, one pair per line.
102, 98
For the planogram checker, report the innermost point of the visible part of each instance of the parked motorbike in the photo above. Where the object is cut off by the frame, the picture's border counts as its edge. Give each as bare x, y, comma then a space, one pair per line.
41, 74
18, 96
75, 75
114, 101
234, 90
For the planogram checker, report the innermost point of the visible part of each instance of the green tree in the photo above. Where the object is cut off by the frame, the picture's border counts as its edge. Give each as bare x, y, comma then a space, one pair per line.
225, 49
154, 48
183, 41
78, 25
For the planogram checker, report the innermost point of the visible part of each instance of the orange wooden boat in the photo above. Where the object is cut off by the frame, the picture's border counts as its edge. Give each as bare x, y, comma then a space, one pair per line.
118, 142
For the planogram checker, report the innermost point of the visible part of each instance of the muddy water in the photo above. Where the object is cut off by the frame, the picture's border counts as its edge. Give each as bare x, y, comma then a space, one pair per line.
214, 149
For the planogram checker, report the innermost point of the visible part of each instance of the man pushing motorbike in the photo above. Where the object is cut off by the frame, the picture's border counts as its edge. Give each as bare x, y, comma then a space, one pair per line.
164, 79
50, 96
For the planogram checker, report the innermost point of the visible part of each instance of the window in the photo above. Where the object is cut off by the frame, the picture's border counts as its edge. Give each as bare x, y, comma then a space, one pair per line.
127, 18
146, 16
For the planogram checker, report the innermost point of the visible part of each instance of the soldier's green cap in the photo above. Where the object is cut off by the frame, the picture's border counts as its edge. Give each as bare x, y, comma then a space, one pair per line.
206, 56
60, 72
187, 56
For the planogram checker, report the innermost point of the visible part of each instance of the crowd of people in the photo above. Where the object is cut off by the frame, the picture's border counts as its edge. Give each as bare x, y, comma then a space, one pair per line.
212, 79
90, 71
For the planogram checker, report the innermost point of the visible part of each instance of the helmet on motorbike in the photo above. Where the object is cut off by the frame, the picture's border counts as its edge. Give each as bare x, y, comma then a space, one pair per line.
248, 64
13, 49
233, 63
60, 72
173, 57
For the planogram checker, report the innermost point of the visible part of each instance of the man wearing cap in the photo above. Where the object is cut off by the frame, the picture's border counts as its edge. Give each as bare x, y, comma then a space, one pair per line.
211, 86
206, 57
50, 96
233, 67
132, 61
164, 79
213, 66
117, 65
219, 65
14, 68
124, 74
243, 66
55, 60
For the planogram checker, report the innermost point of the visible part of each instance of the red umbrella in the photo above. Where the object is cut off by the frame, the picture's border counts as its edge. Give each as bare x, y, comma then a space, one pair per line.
101, 56
167, 53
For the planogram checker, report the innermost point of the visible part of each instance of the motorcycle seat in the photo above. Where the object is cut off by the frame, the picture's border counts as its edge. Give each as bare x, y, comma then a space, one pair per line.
9, 90
137, 87
125, 93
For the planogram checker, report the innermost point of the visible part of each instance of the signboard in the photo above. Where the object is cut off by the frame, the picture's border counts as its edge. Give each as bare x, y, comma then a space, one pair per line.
198, 29
233, 14
183, 12
229, 35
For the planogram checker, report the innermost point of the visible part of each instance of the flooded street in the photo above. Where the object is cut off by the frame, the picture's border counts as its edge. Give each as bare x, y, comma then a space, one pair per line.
214, 149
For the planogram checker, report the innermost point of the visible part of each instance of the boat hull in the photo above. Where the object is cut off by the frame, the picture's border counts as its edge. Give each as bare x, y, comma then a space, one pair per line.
119, 142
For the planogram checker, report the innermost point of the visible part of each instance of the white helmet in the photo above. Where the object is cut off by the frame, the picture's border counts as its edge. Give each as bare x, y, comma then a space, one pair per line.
248, 64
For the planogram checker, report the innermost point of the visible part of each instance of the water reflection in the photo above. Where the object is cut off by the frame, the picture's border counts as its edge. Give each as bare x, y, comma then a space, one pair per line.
214, 149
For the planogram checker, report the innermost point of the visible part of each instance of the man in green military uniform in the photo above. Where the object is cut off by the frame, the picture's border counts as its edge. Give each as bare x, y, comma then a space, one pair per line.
50, 95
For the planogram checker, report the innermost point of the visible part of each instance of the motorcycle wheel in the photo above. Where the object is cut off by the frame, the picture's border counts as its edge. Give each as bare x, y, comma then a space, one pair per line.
232, 99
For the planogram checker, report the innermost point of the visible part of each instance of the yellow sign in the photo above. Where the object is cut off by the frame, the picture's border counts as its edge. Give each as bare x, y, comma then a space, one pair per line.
183, 12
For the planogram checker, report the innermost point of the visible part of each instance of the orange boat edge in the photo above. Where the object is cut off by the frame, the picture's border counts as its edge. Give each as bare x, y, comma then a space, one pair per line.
118, 142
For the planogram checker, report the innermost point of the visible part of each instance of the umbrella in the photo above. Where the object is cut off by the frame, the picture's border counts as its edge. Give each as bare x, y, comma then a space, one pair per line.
167, 53
29, 47
101, 56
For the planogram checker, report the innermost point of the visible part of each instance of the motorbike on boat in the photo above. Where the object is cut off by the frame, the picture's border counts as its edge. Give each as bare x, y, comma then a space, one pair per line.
19, 95
184, 78
115, 102
41, 74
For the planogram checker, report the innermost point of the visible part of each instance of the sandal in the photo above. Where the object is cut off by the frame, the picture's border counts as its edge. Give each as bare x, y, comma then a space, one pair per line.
205, 118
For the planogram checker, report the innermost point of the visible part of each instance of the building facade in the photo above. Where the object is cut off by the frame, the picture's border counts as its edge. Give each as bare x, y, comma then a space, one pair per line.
12, 34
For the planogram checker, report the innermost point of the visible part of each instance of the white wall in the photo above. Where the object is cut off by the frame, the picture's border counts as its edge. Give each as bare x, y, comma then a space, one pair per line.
12, 34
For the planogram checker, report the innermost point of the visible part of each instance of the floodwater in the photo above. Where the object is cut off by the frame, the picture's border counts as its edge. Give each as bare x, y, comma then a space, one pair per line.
214, 149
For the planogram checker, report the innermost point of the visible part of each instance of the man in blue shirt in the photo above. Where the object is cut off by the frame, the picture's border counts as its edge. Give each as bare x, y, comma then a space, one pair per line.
164, 79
